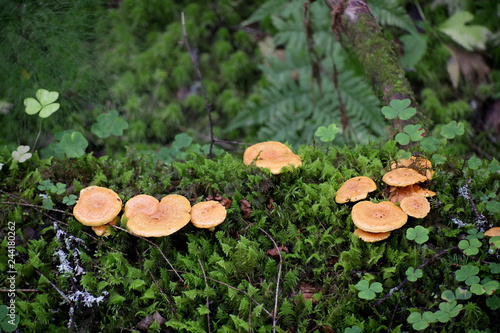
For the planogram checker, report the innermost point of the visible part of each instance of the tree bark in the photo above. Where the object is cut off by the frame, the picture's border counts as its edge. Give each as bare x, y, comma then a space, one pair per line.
377, 55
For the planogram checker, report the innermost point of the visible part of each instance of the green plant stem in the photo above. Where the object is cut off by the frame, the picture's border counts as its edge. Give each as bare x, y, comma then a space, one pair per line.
37, 136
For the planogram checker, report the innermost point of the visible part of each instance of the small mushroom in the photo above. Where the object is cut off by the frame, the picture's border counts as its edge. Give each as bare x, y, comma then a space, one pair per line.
208, 214
378, 217
146, 217
396, 193
416, 206
272, 155
492, 232
97, 206
371, 237
102, 230
355, 189
403, 177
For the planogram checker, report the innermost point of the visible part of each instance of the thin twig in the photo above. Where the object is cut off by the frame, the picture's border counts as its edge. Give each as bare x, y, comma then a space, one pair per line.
164, 296
197, 69
208, 307
399, 286
19, 290
150, 242
275, 314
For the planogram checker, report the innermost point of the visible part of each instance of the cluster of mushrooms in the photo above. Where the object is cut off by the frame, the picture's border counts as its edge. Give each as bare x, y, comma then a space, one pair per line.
143, 214
375, 221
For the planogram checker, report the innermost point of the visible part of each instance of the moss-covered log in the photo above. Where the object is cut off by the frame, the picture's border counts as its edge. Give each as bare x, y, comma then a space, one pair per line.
376, 53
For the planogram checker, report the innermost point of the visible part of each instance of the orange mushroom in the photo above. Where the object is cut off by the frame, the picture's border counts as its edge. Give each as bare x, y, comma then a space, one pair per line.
97, 206
355, 189
208, 214
378, 217
272, 155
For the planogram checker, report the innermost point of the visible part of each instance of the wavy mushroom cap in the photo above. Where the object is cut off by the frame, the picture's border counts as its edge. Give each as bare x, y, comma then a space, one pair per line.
272, 155
355, 189
416, 206
492, 232
97, 206
420, 164
403, 177
208, 214
378, 217
148, 217
371, 237
397, 193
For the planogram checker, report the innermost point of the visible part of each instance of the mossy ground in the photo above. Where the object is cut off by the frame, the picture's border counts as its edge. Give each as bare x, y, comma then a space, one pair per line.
227, 280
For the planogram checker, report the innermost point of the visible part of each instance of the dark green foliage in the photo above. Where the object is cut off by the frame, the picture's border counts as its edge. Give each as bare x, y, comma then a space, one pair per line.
322, 261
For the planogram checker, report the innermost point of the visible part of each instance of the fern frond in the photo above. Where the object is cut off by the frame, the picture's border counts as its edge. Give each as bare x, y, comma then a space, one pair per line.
389, 13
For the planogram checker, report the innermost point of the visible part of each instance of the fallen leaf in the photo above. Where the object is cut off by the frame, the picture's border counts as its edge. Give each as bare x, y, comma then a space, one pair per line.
245, 208
274, 251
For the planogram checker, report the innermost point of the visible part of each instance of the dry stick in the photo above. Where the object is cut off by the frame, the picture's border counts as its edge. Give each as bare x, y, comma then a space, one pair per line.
390, 293
19, 290
275, 314
197, 68
150, 242
164, 296
208, 308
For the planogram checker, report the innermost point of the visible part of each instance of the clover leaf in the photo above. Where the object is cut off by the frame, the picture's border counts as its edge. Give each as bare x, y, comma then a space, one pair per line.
367, 290
494, 268
399, 109
429, 144
413, 274
44, 103
493, 206
468, 273
58, 188
450, 130
73, 144
327, 134
470, 247
70, 199
474, 163
459, 294
493, 302
21, 154
494, 166
109, 124
421, 321
7, 323
352, 329
419, 234
411, 133
487, 288
448, 310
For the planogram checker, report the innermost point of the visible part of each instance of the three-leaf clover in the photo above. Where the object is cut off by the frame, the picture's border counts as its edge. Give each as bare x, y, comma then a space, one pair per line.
459, 294
450, 130
70, 199
58, 188
448, 310
474, 163
468, 273
470, 247
109, 124
419, 234
44, 103
487, 288
411, 133
353, 329
400, 109
21, 154
327, 134
73, 144
413, 274
421, 321
367, 290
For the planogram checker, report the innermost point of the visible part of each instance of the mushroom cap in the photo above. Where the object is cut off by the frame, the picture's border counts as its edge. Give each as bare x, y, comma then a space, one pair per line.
272, 155
419, 163
147, 217
355, 189
97, 206
492, 232
416, 206
378, 217
403, 177
371, 237
207, 214
102, 230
